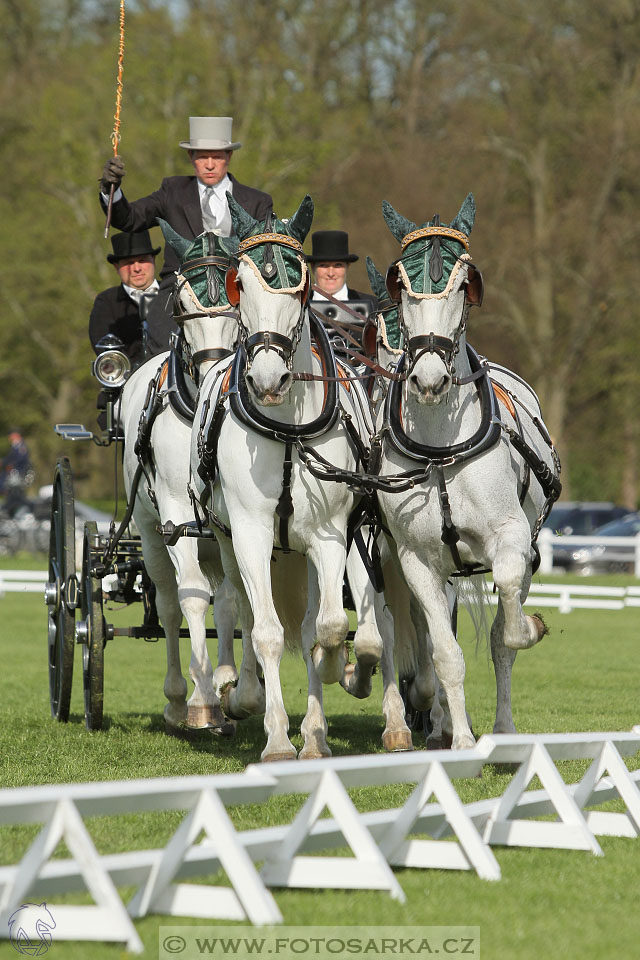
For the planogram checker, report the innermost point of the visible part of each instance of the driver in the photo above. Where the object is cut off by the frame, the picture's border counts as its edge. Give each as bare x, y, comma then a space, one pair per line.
190, 205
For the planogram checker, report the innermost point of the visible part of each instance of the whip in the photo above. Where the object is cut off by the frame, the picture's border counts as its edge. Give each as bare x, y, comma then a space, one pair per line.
115, 135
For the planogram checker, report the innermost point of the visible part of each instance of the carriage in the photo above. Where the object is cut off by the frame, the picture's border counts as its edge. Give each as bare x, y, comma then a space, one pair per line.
109, 569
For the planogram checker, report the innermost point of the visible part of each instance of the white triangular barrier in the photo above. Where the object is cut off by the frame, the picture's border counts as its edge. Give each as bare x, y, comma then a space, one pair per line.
470, 853
367, 870
569, 832
108, 920
248, 899
608, 823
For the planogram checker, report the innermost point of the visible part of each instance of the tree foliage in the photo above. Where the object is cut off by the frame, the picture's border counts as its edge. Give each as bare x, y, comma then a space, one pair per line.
532, 107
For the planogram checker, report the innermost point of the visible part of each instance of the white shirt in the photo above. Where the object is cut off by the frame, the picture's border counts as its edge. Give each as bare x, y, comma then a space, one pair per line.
341, 294
218, 205
136, 293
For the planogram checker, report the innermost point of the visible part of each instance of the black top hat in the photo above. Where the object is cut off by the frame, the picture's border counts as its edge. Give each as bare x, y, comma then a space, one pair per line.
330, 245
131, 245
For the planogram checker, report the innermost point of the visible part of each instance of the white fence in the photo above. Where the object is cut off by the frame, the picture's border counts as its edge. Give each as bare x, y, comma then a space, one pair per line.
566, 597
626, 549
22, 581
378, 841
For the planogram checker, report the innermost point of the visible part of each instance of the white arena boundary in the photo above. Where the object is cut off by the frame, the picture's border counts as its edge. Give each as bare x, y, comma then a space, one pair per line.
206, 841
566, 597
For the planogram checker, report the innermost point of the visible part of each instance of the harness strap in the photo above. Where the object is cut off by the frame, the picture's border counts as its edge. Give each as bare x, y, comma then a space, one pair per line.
284, 508
214, 353
355, 354
449, 535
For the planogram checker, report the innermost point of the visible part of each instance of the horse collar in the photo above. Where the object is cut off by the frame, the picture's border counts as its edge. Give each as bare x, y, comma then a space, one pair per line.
487, 434
253, 417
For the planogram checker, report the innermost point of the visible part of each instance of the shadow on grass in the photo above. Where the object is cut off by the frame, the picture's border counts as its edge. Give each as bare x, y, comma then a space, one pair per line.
348, 735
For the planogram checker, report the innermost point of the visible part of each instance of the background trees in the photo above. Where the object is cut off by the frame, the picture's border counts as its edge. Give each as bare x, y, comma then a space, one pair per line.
533, 107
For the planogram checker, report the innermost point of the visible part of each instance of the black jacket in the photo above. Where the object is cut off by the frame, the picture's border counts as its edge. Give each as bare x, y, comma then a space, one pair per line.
115, 312
178, 202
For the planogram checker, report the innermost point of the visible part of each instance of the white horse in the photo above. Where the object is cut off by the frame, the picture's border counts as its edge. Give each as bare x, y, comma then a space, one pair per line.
479, 501
274, 414
157, 408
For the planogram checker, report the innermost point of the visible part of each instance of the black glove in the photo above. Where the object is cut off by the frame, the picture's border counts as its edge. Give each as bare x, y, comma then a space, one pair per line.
112, 174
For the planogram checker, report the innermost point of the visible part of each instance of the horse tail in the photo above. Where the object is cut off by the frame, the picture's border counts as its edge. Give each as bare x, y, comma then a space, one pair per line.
473, 593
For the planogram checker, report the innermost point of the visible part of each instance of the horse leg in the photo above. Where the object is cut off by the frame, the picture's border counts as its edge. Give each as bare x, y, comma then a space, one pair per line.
226, 611
448, 659
252, 546
356, 679
314, 726
512, 575
194, 598
396, 735
244, 697
503, 659
329, 653
161, 571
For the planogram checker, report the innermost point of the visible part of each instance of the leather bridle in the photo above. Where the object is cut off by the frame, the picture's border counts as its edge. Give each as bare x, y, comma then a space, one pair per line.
180, 315
447, 348
267, 340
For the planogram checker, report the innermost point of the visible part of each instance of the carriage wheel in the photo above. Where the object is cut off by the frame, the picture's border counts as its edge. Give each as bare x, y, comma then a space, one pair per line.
91, 631
61, 591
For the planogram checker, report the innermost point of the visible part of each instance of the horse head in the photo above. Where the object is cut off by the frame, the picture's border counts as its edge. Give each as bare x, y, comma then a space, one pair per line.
434, 283
200, 303
270, 287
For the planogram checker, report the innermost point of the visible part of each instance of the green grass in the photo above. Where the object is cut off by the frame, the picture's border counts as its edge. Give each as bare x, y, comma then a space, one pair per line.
584, 676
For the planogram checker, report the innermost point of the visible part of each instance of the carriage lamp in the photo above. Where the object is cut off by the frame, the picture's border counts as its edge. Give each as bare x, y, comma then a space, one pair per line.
112, 367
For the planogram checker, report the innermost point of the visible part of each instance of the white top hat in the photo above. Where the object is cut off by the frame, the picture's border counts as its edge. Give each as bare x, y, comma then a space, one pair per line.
210, 133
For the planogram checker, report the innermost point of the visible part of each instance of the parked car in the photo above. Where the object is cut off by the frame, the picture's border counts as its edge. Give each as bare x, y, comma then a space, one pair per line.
579, 519
603, 558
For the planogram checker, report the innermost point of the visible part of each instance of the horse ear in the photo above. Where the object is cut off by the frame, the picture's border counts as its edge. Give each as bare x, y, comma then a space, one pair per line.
398, 224
243, 222
376, 280
179, 244
299, 224
466, 215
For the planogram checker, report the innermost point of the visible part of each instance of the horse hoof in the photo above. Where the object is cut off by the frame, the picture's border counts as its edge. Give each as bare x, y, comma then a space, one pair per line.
314, 754
225, 729
225, 703
395, 741
200, 717
275, 757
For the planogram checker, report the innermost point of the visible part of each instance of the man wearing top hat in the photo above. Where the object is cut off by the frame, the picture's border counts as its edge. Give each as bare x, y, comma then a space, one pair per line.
122, 310
190, 204
329, 261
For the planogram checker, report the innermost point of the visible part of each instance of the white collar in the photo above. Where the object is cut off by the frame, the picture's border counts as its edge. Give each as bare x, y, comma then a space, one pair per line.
341, 294
219, 189
135, 293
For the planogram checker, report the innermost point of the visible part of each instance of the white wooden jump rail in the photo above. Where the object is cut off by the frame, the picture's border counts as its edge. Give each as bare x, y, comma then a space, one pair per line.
378, 840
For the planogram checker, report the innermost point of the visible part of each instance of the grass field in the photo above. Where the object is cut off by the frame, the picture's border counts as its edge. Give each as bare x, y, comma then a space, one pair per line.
584, 676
